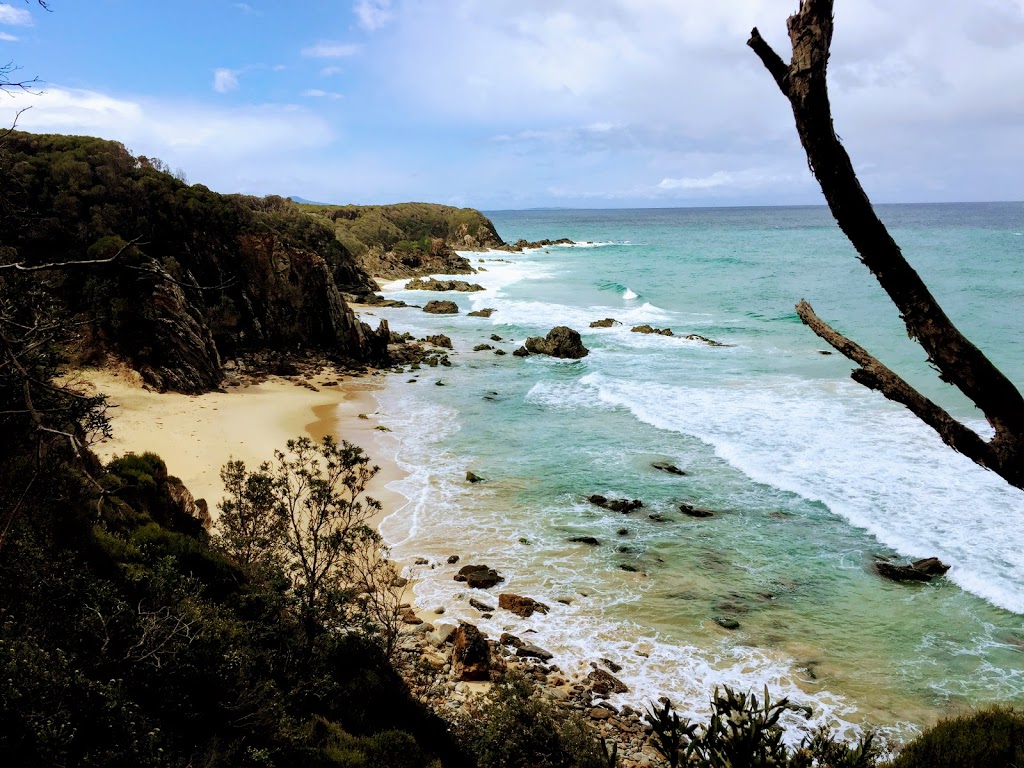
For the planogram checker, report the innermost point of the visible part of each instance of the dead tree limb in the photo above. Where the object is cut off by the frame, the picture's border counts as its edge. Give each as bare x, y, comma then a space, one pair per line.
958, 361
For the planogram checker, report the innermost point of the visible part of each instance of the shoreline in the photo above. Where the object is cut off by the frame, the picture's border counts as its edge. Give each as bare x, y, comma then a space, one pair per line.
196, 435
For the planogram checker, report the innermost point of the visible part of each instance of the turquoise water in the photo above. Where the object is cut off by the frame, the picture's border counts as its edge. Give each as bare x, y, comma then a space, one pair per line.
809, 475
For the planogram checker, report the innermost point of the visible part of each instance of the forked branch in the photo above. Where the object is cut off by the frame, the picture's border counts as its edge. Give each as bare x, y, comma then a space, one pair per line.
959, 362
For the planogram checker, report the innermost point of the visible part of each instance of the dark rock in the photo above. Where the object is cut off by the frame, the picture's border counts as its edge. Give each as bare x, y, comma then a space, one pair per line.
664, 466
628, 568
472, 477
500, 352
471, 655
408, 617
521, 352
496, 337
585, 540
930, 565
510, 640
623, 532
658, 518
649, 329
605, 683
478, 576
441, 308
482, 347
422, 561
600, 713
921, 570
608, 322
440, 340
691, 511
625, 506
727, 623
521, 606
480, 606
431, 284
561, 341
824, 352
453, 559
487, 312
530, 651
611, 665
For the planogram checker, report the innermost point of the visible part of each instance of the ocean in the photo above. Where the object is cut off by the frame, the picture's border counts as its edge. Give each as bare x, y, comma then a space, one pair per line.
809, 476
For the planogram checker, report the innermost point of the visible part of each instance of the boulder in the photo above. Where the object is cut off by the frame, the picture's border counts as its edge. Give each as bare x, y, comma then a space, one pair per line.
510, 640
441, 308
664, 466
709, 342
482, 347
608, 322
500, 352
561, 341
727, 623
472, 477
586, 540
486, 312
496, 337
471, 655
920, 570
521, 352
453, 559
649, 329
625, 506
605, 683
478, 576
482, 607
521, 606
440, 340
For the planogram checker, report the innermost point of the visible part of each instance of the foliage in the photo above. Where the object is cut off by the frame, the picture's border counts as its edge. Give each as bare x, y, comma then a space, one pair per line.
513, 727
307, 511
744, 731
987, 739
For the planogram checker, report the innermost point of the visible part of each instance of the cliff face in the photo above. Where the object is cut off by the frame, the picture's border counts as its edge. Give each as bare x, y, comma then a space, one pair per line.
200, 276
409, 239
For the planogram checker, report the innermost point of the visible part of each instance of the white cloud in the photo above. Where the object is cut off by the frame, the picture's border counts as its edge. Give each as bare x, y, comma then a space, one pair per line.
318, 93
330, 71
247, 9
716, 179
8, 38
225, 80
373, 14
326, 50
18, 17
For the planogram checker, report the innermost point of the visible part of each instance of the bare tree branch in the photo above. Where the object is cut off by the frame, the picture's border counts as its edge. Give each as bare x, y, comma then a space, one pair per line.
958, 361
22, 267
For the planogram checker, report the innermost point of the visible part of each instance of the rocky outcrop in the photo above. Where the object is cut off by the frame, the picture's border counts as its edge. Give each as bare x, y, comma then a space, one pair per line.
561, 341
692, 511
440, 340
441, 308
485, 312
649, 329
430, 284
521, 352
608, 322
522, 245
920, 570
712, 342
478, 576
471, 655
482, 348
521, 606
625, 506
665, 466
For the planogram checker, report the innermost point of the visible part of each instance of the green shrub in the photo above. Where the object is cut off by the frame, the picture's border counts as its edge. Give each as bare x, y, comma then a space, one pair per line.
993, 738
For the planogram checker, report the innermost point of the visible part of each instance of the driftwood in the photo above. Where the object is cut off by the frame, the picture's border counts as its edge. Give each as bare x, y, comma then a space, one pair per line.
956, 359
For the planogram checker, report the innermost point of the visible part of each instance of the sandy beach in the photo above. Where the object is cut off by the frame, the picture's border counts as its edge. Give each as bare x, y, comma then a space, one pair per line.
196, 434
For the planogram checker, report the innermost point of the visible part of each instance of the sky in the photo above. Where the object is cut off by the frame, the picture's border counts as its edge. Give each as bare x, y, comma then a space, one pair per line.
505, 104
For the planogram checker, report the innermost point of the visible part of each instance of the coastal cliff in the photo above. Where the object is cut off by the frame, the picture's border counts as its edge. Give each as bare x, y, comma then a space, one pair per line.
174, 279
409, 239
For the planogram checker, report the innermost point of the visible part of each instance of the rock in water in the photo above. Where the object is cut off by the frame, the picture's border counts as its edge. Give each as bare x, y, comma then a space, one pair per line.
521, 352
648, 329
608, 322
604, 683
441, 308
530, 651
478, 576
625, 506
431, 284
486, 312
664, 466
440, 340
471, 654
920, 570
691, 511
589, 540
561, 341
521, 606
472, 477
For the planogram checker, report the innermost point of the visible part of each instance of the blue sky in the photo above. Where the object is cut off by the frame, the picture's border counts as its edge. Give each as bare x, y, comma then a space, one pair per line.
525, 103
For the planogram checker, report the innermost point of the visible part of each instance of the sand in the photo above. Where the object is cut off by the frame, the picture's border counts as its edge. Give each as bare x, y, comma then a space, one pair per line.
196, 434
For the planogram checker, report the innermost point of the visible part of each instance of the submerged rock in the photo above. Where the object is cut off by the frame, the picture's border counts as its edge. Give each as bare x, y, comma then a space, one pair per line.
691, 511
664, 466
625, 506
561, 341
705, 340
441, 308
472, 477
727, 623
590, 540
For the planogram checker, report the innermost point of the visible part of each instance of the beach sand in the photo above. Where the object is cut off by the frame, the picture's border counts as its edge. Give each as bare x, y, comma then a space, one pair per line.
196, 434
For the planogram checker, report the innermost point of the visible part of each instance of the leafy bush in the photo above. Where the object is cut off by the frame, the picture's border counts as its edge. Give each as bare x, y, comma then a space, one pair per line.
993, 738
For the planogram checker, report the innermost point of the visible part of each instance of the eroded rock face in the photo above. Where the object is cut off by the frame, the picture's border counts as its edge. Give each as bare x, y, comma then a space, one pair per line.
471, 655
521, 606
561, 341
441, 308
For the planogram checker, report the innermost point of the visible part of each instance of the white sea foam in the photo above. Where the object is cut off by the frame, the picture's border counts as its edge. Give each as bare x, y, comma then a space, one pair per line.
873, 464
629, 295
